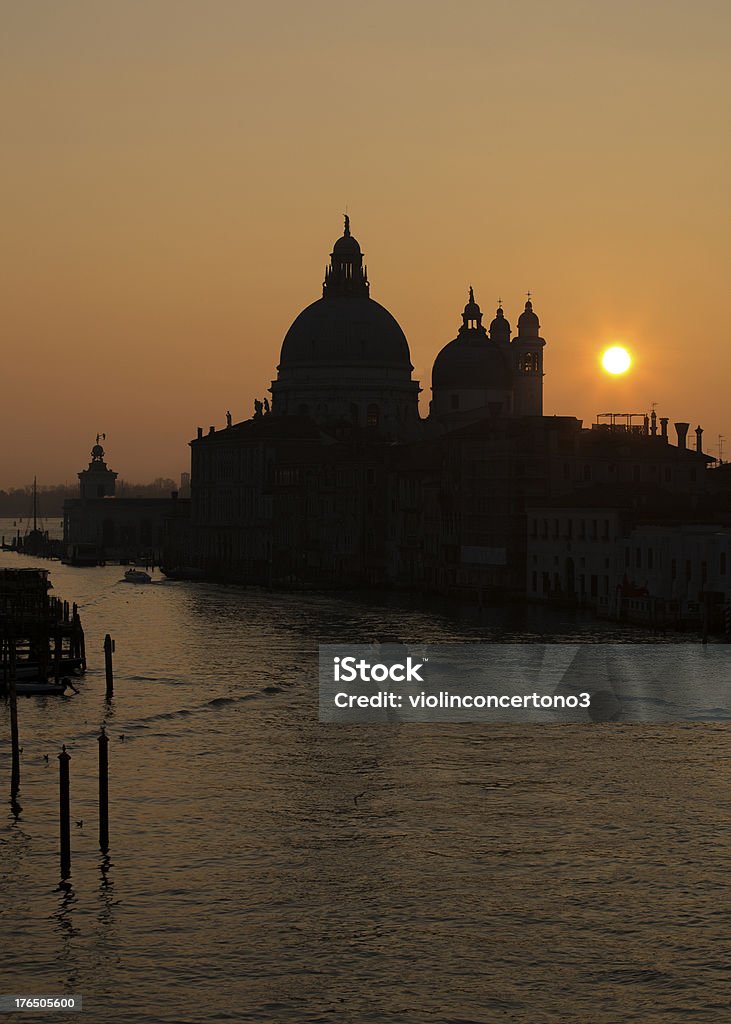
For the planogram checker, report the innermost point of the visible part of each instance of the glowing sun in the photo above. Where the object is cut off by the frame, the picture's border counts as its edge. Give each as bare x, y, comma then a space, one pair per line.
616, 360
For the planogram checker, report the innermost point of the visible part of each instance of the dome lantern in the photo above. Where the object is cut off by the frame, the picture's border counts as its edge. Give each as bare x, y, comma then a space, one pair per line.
346, 274
472, 315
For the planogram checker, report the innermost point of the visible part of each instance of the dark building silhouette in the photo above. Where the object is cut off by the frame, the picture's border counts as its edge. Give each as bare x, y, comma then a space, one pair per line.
343, 484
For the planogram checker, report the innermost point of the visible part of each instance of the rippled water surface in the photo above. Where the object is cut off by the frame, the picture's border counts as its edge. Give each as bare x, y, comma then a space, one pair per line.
530, 874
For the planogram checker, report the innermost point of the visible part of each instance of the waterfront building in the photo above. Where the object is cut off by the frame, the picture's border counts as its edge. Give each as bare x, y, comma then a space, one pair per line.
651, 553
98, 526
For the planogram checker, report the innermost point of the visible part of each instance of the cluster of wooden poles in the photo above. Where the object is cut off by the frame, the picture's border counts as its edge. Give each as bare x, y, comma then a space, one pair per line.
64, 759
64, 778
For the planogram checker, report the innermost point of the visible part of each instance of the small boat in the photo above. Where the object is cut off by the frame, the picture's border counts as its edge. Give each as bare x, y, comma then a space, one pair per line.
137, 576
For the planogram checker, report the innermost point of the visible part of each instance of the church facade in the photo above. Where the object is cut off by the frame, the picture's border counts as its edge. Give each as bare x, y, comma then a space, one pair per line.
340, 481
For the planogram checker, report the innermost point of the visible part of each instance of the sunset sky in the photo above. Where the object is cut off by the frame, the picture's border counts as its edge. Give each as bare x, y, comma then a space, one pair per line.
174, 175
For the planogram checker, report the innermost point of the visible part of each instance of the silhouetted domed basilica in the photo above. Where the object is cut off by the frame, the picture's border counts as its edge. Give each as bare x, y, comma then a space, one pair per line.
346, 360
342, 483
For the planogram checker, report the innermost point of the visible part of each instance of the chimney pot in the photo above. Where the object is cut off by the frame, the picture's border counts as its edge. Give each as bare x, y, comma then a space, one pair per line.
211, 430
682, 432
664, 426
699, 439
200, 431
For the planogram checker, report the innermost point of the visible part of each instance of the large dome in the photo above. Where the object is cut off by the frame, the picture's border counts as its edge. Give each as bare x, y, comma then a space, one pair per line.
466, 363
342, 331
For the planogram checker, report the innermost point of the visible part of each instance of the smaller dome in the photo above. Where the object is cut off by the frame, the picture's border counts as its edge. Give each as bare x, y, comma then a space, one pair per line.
500, 327
465, 366
97, 452
528, 322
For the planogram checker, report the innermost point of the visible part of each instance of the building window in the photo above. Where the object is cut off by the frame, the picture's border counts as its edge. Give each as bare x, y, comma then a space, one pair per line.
673, 570
722, 563
649, 558
373, 415
638, 558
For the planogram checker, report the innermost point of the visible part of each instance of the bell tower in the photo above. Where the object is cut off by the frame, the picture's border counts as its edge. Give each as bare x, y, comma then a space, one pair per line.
527, 352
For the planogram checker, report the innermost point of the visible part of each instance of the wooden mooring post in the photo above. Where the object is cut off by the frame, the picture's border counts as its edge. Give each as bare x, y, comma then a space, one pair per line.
103, 741
108, 651
64, 812
14, 739
79, 641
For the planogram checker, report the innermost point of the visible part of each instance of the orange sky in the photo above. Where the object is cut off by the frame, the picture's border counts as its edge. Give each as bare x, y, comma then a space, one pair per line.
174, 175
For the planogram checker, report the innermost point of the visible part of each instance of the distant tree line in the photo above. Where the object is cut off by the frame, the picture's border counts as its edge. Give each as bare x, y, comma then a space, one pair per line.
18, 501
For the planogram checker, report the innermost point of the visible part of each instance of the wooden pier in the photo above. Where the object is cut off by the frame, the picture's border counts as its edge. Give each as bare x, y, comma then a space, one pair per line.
41, 636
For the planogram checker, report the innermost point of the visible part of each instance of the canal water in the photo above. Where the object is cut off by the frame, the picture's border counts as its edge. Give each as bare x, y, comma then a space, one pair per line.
265, 867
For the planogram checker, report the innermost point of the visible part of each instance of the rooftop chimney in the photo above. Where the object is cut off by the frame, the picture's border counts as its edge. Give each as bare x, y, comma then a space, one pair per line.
212, 430
200, 431
653, 423
664, 427
682, 431
699, 439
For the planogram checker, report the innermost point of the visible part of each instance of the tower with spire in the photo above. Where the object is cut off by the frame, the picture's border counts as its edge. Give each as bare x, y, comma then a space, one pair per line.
527, 357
